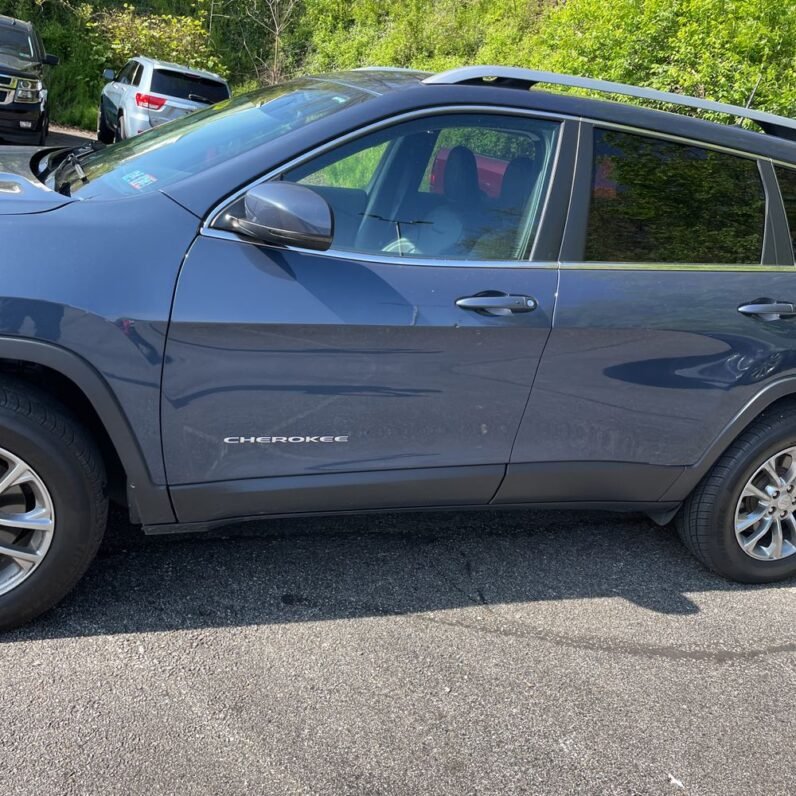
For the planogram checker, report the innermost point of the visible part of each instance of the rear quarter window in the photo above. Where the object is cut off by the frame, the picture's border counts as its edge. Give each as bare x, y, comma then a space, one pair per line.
654, 200
188, 87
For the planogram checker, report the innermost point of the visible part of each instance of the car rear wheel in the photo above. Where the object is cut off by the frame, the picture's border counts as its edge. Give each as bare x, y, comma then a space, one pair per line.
741, 519
53, 508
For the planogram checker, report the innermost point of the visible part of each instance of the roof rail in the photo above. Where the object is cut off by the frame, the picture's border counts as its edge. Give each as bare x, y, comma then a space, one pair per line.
514, 77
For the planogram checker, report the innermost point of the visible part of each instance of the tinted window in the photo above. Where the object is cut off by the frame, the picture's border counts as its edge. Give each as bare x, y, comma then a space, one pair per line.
659, 201
189, 87
354, 171
126, 74
418, 189
787, 185
493, 152
16, 42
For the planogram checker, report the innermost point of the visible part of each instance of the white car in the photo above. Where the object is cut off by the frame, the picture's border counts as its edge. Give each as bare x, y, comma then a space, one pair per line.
147, 93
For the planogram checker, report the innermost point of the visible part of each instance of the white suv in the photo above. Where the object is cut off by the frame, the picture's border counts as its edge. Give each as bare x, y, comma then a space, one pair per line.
147, 93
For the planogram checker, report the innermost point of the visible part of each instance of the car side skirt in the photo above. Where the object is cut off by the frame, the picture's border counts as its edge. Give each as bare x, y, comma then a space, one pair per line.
652, 509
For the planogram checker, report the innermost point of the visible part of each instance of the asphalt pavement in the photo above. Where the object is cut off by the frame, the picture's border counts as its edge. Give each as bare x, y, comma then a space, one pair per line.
518, 652
68, 136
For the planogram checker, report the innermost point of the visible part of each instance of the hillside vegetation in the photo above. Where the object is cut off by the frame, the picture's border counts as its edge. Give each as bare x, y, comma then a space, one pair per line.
721, 49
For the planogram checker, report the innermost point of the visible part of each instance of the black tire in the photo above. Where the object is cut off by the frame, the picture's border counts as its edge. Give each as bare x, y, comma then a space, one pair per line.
42, 433
41, 139
706, 523
104, 133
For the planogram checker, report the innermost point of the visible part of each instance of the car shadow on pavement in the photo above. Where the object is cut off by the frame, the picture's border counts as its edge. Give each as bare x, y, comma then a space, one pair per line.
284, 571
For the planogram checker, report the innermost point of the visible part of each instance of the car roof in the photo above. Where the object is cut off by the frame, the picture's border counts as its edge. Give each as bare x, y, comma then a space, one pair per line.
384, 80
155, 63
10, 22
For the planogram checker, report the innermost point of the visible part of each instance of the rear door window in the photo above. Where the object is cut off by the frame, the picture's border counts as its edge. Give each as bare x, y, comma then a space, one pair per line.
787, 186
188, 87
655, 200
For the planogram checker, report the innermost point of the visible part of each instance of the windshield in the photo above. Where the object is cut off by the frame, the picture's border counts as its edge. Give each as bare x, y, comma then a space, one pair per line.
197, 142
17, 42
188, 87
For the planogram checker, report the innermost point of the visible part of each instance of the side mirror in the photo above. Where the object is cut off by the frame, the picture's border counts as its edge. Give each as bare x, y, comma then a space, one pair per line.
51, 60
286, 214
109, 75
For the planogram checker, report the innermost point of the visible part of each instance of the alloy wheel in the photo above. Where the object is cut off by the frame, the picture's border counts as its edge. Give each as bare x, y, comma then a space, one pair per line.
27, 521
765, 525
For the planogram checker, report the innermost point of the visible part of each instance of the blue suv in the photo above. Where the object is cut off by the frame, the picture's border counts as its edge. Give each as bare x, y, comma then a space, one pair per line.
387, 290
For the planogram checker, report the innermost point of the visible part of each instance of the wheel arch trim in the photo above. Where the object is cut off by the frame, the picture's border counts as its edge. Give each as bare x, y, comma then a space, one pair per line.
692, 475
148, 501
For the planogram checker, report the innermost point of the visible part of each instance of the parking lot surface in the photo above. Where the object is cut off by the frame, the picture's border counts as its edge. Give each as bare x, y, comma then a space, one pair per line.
520, 652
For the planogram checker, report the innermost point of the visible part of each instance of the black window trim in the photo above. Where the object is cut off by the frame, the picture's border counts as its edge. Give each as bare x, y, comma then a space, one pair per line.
552, 216
776, 255
780, 213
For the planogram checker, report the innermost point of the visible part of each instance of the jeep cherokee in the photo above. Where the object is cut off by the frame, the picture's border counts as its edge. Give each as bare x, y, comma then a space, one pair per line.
387, 290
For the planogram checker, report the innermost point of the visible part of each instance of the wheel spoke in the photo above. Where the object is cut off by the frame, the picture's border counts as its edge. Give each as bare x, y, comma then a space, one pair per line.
771, 469
747, 522
14, 475
37, 520
749, 544
20, 554
775, 549
752, 491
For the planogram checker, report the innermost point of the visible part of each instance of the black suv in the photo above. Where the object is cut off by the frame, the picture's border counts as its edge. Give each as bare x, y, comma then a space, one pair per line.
24, 111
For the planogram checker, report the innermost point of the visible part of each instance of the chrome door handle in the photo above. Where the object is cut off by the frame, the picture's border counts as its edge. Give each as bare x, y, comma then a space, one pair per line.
768, 310
500, 304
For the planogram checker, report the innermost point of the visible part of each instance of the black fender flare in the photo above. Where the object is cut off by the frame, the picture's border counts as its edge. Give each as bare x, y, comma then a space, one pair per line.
692, 475
149, 502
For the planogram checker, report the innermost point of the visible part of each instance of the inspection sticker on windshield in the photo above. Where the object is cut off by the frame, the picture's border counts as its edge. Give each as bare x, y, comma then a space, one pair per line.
139, 179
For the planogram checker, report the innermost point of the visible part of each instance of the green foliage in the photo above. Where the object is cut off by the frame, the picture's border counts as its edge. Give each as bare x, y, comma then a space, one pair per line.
720, 49
425, 34
119, 34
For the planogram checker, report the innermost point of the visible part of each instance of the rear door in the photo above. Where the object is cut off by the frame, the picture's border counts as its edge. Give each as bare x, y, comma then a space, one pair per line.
392, 370
651, 354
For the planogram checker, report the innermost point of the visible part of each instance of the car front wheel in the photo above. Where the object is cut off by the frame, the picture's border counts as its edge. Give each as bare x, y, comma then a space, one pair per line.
53, 508
741, 519
104, 133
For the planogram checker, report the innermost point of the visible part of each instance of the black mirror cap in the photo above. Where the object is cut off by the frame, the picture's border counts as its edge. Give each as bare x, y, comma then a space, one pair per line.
287, 214
51, 60
109, 75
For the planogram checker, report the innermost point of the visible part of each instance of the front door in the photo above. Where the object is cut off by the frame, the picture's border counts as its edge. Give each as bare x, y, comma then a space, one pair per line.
392, 370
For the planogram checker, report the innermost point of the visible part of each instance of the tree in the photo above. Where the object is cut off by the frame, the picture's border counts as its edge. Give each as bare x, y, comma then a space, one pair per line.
720, 49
